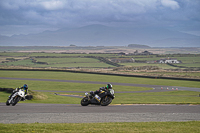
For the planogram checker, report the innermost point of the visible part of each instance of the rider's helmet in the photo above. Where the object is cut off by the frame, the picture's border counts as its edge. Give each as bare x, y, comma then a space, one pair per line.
109, 86
25, 86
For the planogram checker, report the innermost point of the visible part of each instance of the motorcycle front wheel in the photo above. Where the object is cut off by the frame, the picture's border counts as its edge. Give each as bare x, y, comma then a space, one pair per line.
84, 101
106, 101
15, 100
7, 102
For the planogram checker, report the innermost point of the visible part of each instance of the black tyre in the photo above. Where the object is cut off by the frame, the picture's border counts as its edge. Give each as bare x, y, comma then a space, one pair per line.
84, 101
7, 103
106, 101
15, 100
9, 90
29, 97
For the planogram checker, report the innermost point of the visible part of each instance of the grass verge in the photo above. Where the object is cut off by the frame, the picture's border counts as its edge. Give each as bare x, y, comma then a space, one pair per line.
125, 127
96, 77
171, 97
168, 97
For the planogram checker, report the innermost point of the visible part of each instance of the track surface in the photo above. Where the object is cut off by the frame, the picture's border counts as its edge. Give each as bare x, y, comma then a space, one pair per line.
69, 113
66, 113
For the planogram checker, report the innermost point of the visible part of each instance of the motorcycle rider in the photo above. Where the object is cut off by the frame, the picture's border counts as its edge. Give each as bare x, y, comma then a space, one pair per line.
108, 86
24, 87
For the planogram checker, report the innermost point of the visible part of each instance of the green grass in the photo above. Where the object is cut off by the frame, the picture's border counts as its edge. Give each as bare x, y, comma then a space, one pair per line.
58, 86
26, 62
125, 127
161, 66
4, 97
189, 65
58, 62
14, 54
51, 98
81, 60
189, 59
174, 97
89, 65
67, 60
170, 97
69, 55
96, 77
184, 59
171, 74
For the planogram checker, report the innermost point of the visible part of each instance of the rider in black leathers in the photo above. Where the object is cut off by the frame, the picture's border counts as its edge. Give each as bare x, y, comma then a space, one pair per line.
108, 86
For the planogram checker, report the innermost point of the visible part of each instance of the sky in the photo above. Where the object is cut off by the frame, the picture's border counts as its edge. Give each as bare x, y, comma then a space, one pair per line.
34, 16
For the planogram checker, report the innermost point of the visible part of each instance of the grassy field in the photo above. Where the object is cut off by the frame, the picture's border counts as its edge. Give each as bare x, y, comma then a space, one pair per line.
57, 63
131, 127
161, 66
73, 60
96, 77
84, 60
90, 62
169, 97
166, 74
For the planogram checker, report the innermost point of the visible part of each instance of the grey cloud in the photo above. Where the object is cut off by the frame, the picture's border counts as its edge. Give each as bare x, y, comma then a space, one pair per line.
63, 13
170, 3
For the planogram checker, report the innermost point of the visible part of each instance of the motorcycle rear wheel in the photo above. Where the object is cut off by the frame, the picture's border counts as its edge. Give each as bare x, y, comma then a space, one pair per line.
84, 101
106, 101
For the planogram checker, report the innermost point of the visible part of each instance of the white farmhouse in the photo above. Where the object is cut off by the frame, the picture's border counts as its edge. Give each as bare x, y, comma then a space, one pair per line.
170, 60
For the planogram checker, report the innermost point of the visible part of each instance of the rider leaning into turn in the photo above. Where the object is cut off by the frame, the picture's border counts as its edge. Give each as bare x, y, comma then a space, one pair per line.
106, 89
24, 87
108, 86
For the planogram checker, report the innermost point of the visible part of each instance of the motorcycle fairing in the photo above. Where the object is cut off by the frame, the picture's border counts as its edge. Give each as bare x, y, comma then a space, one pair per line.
98, 98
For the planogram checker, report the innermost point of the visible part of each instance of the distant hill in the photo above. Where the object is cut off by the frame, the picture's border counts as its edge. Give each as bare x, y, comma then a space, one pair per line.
100, 35
138, 46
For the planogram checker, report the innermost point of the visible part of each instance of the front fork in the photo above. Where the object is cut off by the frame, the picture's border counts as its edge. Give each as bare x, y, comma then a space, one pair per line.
11, 98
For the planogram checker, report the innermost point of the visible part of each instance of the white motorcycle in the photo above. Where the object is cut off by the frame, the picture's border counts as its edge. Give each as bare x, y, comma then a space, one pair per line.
16, 97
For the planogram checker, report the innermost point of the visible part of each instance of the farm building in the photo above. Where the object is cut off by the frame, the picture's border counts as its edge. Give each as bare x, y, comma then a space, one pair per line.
169, 60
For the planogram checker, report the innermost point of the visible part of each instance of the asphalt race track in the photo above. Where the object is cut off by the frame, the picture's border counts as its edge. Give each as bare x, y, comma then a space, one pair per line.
69, 113
73, 113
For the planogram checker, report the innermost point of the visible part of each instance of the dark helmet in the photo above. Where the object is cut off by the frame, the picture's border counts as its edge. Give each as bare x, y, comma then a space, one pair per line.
25, 86
109, 86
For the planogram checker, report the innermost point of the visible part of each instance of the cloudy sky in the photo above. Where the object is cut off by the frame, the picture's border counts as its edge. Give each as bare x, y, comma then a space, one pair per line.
33, 16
